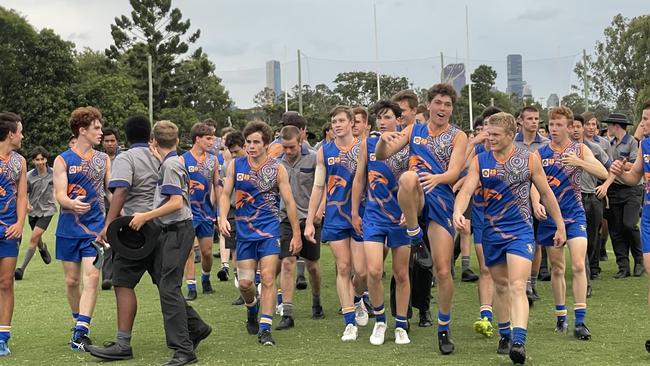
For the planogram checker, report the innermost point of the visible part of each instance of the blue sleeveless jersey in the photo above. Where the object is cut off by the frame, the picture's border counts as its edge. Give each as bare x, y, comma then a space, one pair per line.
10, 169
201, 174
505, 191
381, 205
257, 199
85, 178
564, 181
340, 167
478, 204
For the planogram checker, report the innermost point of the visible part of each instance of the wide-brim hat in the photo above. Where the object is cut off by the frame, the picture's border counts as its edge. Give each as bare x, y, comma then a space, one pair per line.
618, 118
130, 243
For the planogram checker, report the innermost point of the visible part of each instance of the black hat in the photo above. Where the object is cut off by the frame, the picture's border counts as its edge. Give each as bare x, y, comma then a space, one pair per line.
618, 118
292, 118
130, 243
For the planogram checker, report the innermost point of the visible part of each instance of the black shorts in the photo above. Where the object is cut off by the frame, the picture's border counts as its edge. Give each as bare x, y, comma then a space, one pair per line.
127, 272
231, 241
43, 222
309, 251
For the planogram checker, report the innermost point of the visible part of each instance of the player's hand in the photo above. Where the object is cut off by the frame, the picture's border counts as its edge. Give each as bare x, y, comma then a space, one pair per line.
560, 237
102, 237
480, 138
428, 181
295, 246
601, 191
14, 231
539, 211
154, 151
617, 167
29, 208
356, 224
310, 232
139, 219
460, 223
318, 220
79, 206
224, 227
390, 137
402, 220
571, 159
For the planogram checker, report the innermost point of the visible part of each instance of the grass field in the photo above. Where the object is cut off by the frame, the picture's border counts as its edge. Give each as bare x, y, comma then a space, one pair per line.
617, 315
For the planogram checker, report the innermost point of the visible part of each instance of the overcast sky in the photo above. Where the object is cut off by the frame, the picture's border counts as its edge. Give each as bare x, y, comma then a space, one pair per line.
338, 35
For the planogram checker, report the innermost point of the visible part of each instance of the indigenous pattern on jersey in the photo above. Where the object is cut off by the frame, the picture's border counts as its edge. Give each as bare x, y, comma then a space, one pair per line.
645, 216
430, 152
381, 205
257, 199
564, 180
505, 190
201, 173
340, 167
478, 205
86, 177
10, 169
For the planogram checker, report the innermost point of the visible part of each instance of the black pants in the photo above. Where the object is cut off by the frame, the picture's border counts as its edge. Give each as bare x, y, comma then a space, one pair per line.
624, 209
594, 213
182, 323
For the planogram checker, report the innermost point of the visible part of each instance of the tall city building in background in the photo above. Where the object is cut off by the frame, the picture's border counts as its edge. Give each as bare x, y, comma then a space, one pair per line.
454, 74
515, 76
274, 77
553, 101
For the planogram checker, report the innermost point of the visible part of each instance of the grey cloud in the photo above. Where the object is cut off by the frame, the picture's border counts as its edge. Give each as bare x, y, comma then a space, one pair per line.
538, 14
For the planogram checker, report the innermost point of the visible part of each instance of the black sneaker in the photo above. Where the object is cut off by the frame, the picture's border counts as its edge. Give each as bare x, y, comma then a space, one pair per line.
622, 273
238, 301
265, 338
561, 327
504, 346
106, 284
301, 283
421, 255
590, 291
445, 344
639, 270
535, 294
18, 274
317, 312
647, 345
191, 295
45, 254
369, 308
206, 285
197, 256
80, 342
223, 274
581, 332
468, 276
544, 275
285, 323
425, 319
111, 351
201, 336
529, 295
518, 354
252, 324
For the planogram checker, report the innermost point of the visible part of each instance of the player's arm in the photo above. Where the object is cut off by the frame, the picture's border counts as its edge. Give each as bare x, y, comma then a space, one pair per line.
471, 147
292, 212
60, 181
464, 196
390, 143
588, 163
359, 186
456, 163
316, 196
215, 192
224, 199
630, 177
548, 198
107, 179
601, 190
15, 231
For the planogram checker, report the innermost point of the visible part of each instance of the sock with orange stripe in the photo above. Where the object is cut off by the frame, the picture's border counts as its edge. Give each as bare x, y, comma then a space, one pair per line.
348, 315
266, 321
380, 314
560, 312
83, 325
443, 321
5, 332
486, 312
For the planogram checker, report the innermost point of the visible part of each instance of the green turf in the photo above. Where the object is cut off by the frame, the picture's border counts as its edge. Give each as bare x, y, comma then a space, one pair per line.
617, 316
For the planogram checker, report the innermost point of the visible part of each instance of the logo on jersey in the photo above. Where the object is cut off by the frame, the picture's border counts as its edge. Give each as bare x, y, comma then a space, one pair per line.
192, 169
373, 157
74, 169
419, 140
242, 177
485, 173
530, 248
646, 158
583, 228
548, 162
333, 160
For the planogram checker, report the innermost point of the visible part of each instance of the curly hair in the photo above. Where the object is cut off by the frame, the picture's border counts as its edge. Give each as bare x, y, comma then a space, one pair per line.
83, 117
442, 89
262, 128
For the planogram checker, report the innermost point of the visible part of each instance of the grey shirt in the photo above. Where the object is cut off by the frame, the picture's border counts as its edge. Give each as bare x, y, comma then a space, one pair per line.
137, 170
301, 178
604, 143
534, 146
627, 147
40, 190
173, 180
588, 182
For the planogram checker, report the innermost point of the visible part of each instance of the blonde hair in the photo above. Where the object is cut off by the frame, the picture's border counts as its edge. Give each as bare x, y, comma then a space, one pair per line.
505, 120
166, 134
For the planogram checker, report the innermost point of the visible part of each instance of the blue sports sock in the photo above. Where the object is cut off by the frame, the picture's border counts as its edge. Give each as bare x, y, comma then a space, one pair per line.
415, 233
205, 277
366, 296
191, 284
253, 307
580, 311
5, 332
279, 297
348, 315
400, 322
380, 314
357, 298
75, 316
486, 312
519, 335
443, 321
504, 330
83, 325
266, 321
560, 312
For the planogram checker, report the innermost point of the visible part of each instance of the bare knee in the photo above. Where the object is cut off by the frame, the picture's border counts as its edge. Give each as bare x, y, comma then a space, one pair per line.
72, 280
343, 269
375, 272
6, 283
401, 275
245, 284
518, 288
409, 181
288, 264
578, 268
